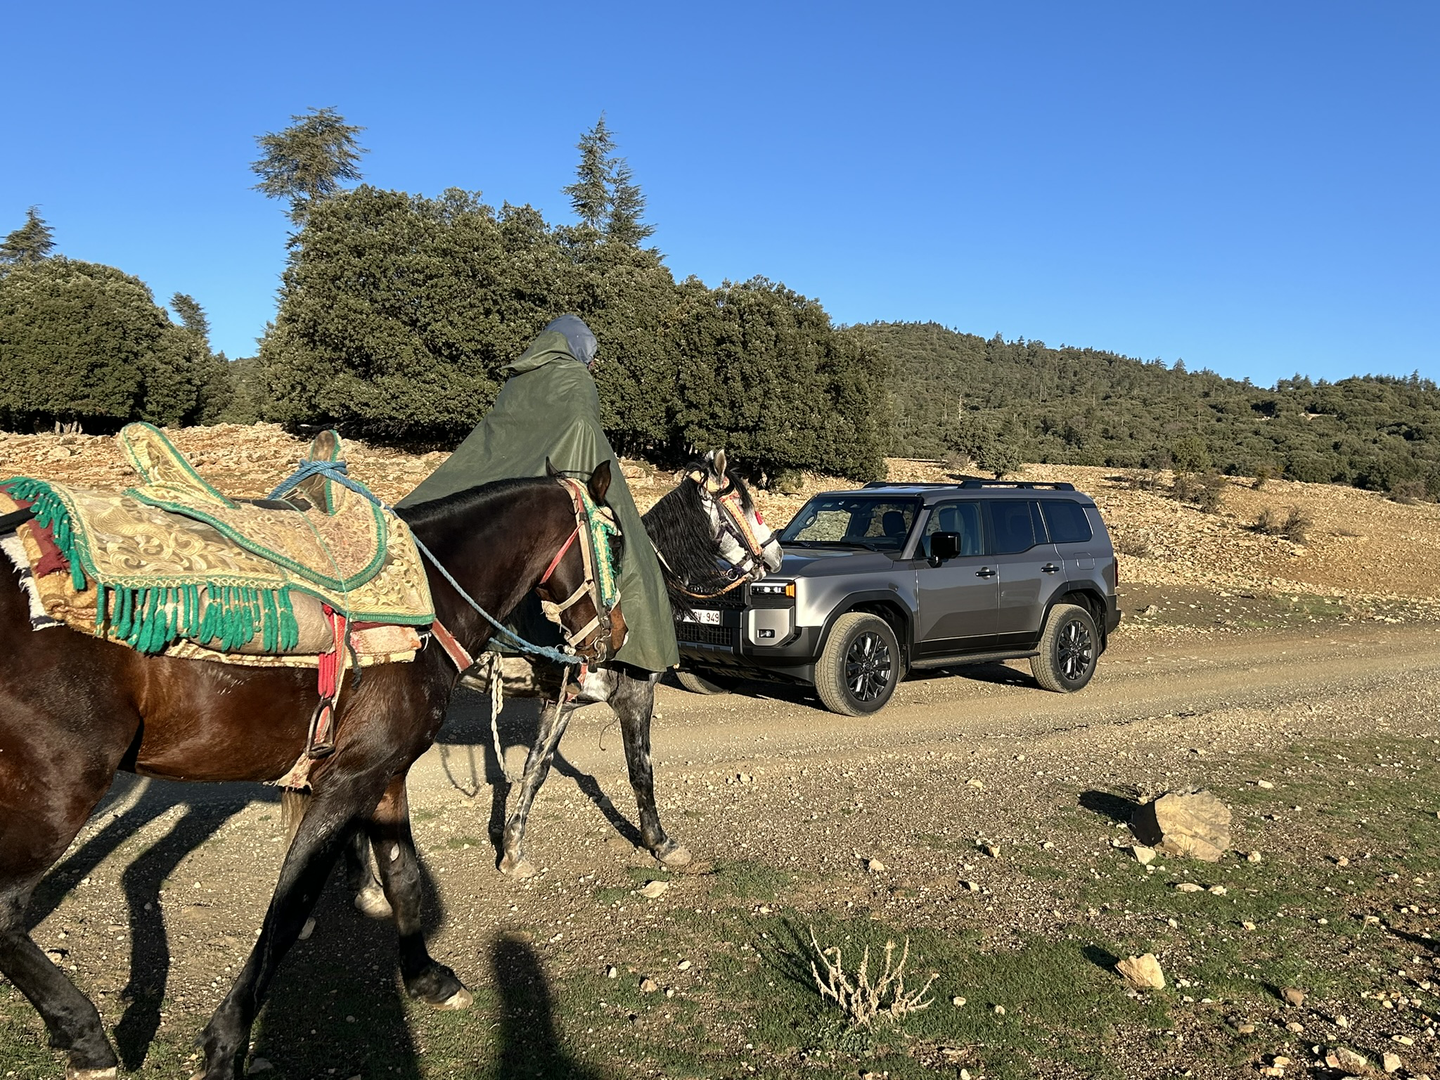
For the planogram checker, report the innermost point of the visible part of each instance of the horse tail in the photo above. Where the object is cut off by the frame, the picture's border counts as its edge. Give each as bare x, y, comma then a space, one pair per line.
293, 804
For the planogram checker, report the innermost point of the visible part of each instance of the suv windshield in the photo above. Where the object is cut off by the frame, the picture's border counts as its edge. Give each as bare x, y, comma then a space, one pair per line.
876, 522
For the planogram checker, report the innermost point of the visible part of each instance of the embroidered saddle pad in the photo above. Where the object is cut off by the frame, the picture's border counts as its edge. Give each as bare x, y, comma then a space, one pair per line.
172, 558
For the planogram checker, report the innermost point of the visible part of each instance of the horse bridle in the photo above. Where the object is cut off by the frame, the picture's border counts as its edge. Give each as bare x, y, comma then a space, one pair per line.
730, 520
592, 586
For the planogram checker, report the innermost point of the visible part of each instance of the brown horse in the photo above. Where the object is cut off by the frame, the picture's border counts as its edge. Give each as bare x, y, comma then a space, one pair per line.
74, 709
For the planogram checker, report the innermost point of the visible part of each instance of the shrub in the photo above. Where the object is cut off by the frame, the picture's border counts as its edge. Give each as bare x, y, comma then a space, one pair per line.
1294, 526
1408, 491
1203, 490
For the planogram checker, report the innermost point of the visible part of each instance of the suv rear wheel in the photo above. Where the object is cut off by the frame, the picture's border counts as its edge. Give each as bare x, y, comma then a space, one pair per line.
859, 666
1069, 647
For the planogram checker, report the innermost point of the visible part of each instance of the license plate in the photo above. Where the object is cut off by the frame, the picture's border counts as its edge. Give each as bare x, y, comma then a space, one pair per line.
706, 616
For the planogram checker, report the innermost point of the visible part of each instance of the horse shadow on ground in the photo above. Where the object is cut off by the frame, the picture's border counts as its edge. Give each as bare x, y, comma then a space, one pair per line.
466, 748
131, 804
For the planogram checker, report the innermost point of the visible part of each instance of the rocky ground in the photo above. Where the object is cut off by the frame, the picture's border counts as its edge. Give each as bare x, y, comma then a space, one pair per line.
1311, 667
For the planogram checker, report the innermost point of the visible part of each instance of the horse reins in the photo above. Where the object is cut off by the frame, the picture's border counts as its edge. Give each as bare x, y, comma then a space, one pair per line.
590, 586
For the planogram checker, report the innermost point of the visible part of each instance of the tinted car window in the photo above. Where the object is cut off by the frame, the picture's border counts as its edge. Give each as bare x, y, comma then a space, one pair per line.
961, 518
1066, 521
1011, 525
867, 521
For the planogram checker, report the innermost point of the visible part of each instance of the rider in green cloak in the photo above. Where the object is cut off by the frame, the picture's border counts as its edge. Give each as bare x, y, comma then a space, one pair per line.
549, 409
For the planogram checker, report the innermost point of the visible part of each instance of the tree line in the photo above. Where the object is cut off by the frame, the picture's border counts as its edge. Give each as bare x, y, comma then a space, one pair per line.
1003, 402
399, 311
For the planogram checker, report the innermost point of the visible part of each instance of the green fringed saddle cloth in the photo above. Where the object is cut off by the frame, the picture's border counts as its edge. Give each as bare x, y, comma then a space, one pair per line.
172, 558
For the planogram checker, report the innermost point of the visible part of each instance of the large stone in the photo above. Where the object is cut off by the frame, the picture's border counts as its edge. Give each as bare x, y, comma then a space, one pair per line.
1142, 972
1194, 824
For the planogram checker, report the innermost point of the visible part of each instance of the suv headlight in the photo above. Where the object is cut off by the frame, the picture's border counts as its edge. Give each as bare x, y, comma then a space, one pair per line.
773, 588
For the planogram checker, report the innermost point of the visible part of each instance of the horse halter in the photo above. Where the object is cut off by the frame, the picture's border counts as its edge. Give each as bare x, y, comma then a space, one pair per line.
600, 584
731, 521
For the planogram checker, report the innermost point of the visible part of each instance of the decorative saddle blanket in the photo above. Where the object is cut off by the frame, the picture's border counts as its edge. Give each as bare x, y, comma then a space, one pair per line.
173, 565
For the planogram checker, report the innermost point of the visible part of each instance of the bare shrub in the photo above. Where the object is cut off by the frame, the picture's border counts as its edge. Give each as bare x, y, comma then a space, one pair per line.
1141, 479
1408, 491
1205, 490
1263, 475
863, 1000
1135, 545
1294, 526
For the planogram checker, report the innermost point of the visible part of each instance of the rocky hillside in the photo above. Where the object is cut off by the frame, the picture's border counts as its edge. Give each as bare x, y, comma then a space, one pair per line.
1359, 545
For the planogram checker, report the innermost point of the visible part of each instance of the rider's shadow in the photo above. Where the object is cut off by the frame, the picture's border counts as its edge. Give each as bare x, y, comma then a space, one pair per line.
132, 804
466, 747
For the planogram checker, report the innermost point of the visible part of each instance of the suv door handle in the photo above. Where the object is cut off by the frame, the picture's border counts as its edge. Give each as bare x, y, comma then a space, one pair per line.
984, 571
1049, 568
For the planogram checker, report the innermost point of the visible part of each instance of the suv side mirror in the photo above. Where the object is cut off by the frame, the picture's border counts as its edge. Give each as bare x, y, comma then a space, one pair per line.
944, 545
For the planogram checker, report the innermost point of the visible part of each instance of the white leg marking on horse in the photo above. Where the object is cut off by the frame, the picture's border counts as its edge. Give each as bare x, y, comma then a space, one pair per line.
394, 852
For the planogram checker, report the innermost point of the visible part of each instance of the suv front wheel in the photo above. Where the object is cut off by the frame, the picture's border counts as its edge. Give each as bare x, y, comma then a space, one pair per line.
1069, 647
860, 665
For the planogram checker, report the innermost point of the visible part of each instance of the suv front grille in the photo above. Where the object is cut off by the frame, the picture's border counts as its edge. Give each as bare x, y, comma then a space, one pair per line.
703, 634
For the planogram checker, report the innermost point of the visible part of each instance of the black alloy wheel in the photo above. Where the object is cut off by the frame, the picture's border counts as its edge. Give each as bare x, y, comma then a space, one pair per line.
1069, 648
860, 665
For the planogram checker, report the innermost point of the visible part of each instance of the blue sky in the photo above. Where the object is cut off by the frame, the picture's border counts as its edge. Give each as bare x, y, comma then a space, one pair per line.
1249, 187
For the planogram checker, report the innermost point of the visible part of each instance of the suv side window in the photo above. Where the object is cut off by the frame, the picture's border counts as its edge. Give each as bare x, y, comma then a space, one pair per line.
1013, 525
961, 518
1066, 521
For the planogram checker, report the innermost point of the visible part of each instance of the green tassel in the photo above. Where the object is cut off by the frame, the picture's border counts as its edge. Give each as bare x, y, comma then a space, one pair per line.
100, 598
122, 613
270, 622
289, 628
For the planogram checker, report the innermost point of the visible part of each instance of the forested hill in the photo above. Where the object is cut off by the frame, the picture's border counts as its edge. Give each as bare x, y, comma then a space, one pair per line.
954, 391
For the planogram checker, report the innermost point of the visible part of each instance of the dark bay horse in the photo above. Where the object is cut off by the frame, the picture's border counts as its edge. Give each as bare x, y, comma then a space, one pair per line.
709, 519
74, 709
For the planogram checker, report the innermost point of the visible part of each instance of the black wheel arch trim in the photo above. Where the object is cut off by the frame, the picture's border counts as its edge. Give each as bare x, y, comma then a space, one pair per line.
869, 602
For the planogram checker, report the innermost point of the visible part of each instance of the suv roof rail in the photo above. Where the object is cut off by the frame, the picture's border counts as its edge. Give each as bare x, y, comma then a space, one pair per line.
908, 483
1056, 485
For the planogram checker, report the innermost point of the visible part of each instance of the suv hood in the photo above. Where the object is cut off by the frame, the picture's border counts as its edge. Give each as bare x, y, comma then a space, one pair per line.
822, 562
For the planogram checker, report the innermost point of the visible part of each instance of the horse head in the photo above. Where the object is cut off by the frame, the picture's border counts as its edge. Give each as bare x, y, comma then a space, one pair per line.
580, 589
740, 533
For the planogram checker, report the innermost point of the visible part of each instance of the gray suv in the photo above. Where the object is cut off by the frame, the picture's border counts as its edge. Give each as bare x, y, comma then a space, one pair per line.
894, 577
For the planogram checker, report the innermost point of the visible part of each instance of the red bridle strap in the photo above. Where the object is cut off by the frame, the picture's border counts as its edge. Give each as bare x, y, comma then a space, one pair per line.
559, 555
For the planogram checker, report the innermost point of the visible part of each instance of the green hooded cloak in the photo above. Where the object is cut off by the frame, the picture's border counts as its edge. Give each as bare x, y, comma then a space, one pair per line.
549, 408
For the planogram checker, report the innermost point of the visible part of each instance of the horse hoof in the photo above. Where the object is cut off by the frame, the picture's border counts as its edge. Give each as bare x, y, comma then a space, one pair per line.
111, 1073
371, 901
520, 869
461, 999
673, 856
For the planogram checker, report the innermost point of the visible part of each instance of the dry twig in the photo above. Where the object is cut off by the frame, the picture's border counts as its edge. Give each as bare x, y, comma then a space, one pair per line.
863, 1000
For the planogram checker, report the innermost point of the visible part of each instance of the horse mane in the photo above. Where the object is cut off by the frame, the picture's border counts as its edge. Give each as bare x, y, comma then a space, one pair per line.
462, 502
679, 527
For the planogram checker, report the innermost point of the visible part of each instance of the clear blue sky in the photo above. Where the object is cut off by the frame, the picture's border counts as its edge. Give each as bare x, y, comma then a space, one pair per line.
1249, 187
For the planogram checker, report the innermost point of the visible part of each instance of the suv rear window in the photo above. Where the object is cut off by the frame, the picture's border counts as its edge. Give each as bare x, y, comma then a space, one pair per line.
868, 521
1066, 521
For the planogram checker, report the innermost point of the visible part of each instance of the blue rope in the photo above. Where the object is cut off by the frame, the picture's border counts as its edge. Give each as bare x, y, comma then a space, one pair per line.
336, 471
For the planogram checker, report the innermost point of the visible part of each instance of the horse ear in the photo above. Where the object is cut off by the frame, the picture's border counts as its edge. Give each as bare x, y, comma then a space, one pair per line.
599, 482
550, 470
720, 464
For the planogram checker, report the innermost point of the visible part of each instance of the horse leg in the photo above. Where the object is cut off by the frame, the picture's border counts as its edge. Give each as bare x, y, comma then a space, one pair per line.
360, 879
317, 843
72, 1020
389, 833
553, 721
634, 703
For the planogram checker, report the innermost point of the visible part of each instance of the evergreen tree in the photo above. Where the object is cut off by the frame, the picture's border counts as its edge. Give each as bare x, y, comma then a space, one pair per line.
627, 205
306, 162
590, 195
605, 196
81, 341
192, 316
29, 244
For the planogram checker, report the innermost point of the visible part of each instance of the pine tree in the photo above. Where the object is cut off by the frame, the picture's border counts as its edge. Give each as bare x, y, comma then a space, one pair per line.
29, 244
626, 206
306, 162
590, 195
192, 316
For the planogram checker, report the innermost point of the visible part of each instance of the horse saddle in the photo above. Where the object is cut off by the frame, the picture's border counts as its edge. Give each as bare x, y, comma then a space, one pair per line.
173, 560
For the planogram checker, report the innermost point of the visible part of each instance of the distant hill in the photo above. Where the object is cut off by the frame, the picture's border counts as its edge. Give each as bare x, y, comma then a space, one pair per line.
1089, 407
